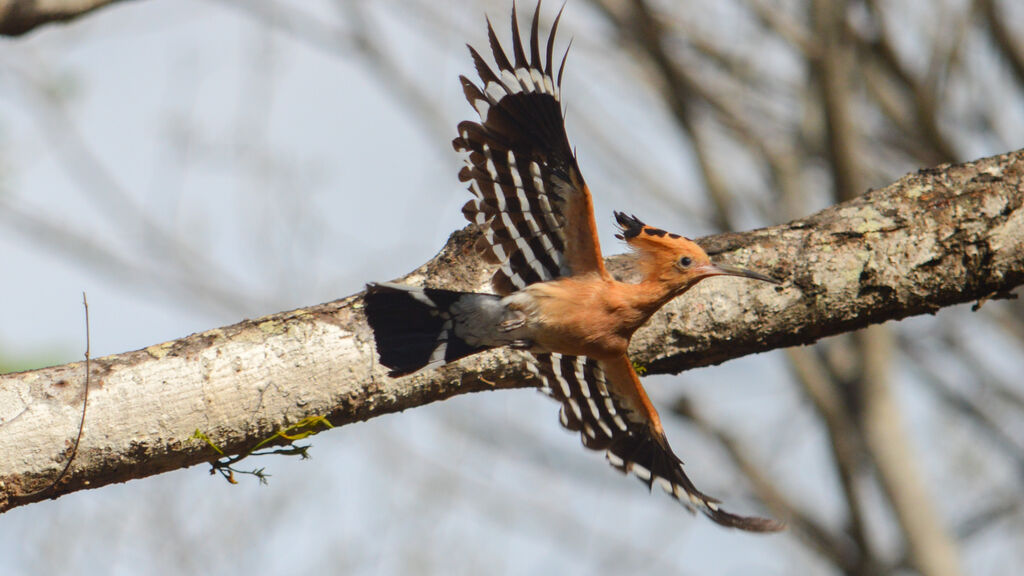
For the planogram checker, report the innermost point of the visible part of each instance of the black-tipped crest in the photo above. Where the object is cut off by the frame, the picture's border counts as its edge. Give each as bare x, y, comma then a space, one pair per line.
630, 226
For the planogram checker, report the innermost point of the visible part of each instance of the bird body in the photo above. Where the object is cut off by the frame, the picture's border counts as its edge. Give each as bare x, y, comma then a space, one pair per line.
554, 298
581, 316
587, 315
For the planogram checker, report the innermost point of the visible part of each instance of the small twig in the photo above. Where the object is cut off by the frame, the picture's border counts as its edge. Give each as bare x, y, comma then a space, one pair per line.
85, 404
1003, 295
225, 465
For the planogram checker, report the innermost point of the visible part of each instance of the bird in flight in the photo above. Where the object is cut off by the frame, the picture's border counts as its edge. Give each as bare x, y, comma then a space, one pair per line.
553, 296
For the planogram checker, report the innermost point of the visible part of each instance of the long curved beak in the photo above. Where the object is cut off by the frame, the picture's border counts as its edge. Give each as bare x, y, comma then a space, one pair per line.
727, 270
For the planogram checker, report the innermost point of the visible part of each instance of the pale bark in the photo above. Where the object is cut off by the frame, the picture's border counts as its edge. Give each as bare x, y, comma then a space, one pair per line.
936, 238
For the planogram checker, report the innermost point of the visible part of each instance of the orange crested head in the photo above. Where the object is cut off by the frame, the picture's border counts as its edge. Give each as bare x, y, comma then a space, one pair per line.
673, 260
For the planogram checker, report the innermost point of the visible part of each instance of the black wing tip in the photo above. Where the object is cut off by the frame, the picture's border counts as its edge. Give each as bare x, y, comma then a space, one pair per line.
634, 450
520, 58
709, 506
756, 524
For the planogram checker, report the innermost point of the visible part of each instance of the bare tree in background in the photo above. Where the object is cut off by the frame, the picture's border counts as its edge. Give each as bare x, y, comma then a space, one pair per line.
782, 107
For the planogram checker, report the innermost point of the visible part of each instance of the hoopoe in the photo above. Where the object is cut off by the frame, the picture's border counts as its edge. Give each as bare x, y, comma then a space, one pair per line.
554, 298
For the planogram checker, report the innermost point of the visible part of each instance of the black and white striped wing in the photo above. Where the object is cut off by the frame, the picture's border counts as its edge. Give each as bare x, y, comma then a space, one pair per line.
590, 407
529, 199
579, 385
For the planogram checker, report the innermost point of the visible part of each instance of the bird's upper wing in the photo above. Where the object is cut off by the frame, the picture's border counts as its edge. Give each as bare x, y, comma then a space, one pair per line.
529, 198
606, 404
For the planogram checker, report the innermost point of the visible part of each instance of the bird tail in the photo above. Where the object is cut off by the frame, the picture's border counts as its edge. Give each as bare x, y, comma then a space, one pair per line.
418, 327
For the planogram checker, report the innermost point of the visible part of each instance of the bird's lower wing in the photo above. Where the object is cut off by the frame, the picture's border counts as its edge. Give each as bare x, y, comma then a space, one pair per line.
605, 403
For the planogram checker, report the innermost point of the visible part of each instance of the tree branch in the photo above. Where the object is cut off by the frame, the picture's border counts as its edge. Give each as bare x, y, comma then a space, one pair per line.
942, 236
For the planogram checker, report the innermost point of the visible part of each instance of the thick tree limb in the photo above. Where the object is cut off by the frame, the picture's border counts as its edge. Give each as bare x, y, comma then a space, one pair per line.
942, 236
18, 17
939, 237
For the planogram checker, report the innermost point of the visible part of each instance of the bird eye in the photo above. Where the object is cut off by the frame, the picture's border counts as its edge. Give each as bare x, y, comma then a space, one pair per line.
685, 262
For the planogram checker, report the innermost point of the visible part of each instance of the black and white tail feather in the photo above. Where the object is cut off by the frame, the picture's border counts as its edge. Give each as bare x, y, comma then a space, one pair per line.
419, 328
604, 423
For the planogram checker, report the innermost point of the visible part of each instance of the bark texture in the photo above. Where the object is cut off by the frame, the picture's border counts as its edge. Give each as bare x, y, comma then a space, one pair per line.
942, 236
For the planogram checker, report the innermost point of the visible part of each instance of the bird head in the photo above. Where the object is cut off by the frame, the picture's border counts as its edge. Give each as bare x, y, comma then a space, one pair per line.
673, 260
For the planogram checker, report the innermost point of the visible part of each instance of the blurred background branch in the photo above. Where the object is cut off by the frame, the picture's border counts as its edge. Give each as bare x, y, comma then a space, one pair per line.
20, 16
